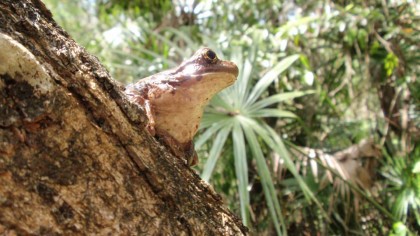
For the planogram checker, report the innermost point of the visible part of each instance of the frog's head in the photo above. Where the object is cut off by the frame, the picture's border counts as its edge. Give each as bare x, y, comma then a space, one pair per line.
205, 68
186, 90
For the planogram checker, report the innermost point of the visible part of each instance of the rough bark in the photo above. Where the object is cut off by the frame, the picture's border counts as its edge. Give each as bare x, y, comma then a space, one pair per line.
74, 155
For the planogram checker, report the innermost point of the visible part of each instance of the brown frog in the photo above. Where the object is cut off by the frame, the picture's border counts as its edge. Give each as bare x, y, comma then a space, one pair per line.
174, 100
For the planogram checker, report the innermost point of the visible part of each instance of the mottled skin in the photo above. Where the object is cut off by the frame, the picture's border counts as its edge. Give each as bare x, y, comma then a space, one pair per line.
174, 100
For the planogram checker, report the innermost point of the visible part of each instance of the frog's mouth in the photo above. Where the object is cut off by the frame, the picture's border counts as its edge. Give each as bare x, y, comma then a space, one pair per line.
212, 79
227, 77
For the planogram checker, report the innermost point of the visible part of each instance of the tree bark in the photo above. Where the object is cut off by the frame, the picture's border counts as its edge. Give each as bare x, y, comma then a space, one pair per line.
74, 155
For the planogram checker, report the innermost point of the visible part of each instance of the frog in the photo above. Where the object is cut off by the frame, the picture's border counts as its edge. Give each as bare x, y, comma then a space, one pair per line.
174, 100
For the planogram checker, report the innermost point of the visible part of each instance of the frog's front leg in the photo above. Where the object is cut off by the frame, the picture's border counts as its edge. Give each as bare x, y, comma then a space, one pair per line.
191, 154
185, 151
140, 94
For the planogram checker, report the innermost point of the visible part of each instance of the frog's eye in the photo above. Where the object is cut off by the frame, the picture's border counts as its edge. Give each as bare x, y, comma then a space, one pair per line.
210, 56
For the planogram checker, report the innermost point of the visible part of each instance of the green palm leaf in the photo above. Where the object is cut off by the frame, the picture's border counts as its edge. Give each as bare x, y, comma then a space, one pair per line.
269, 77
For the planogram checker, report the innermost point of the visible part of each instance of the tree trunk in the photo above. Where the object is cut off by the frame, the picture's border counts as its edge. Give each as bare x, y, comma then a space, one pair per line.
74, 155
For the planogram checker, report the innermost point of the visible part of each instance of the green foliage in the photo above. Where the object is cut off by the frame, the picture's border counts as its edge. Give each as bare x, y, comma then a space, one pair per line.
399, 229
321, 75
155, 10
239, 111
403, 186
391, 62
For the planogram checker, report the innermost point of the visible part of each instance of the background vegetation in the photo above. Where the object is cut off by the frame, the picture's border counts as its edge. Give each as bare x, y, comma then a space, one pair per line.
316, 79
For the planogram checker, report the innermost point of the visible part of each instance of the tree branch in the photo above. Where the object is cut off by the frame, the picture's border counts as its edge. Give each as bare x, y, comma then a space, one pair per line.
74, 155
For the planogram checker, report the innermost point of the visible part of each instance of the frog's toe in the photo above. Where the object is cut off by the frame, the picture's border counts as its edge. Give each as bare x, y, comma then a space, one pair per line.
191, 155
193, 160
151, 130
